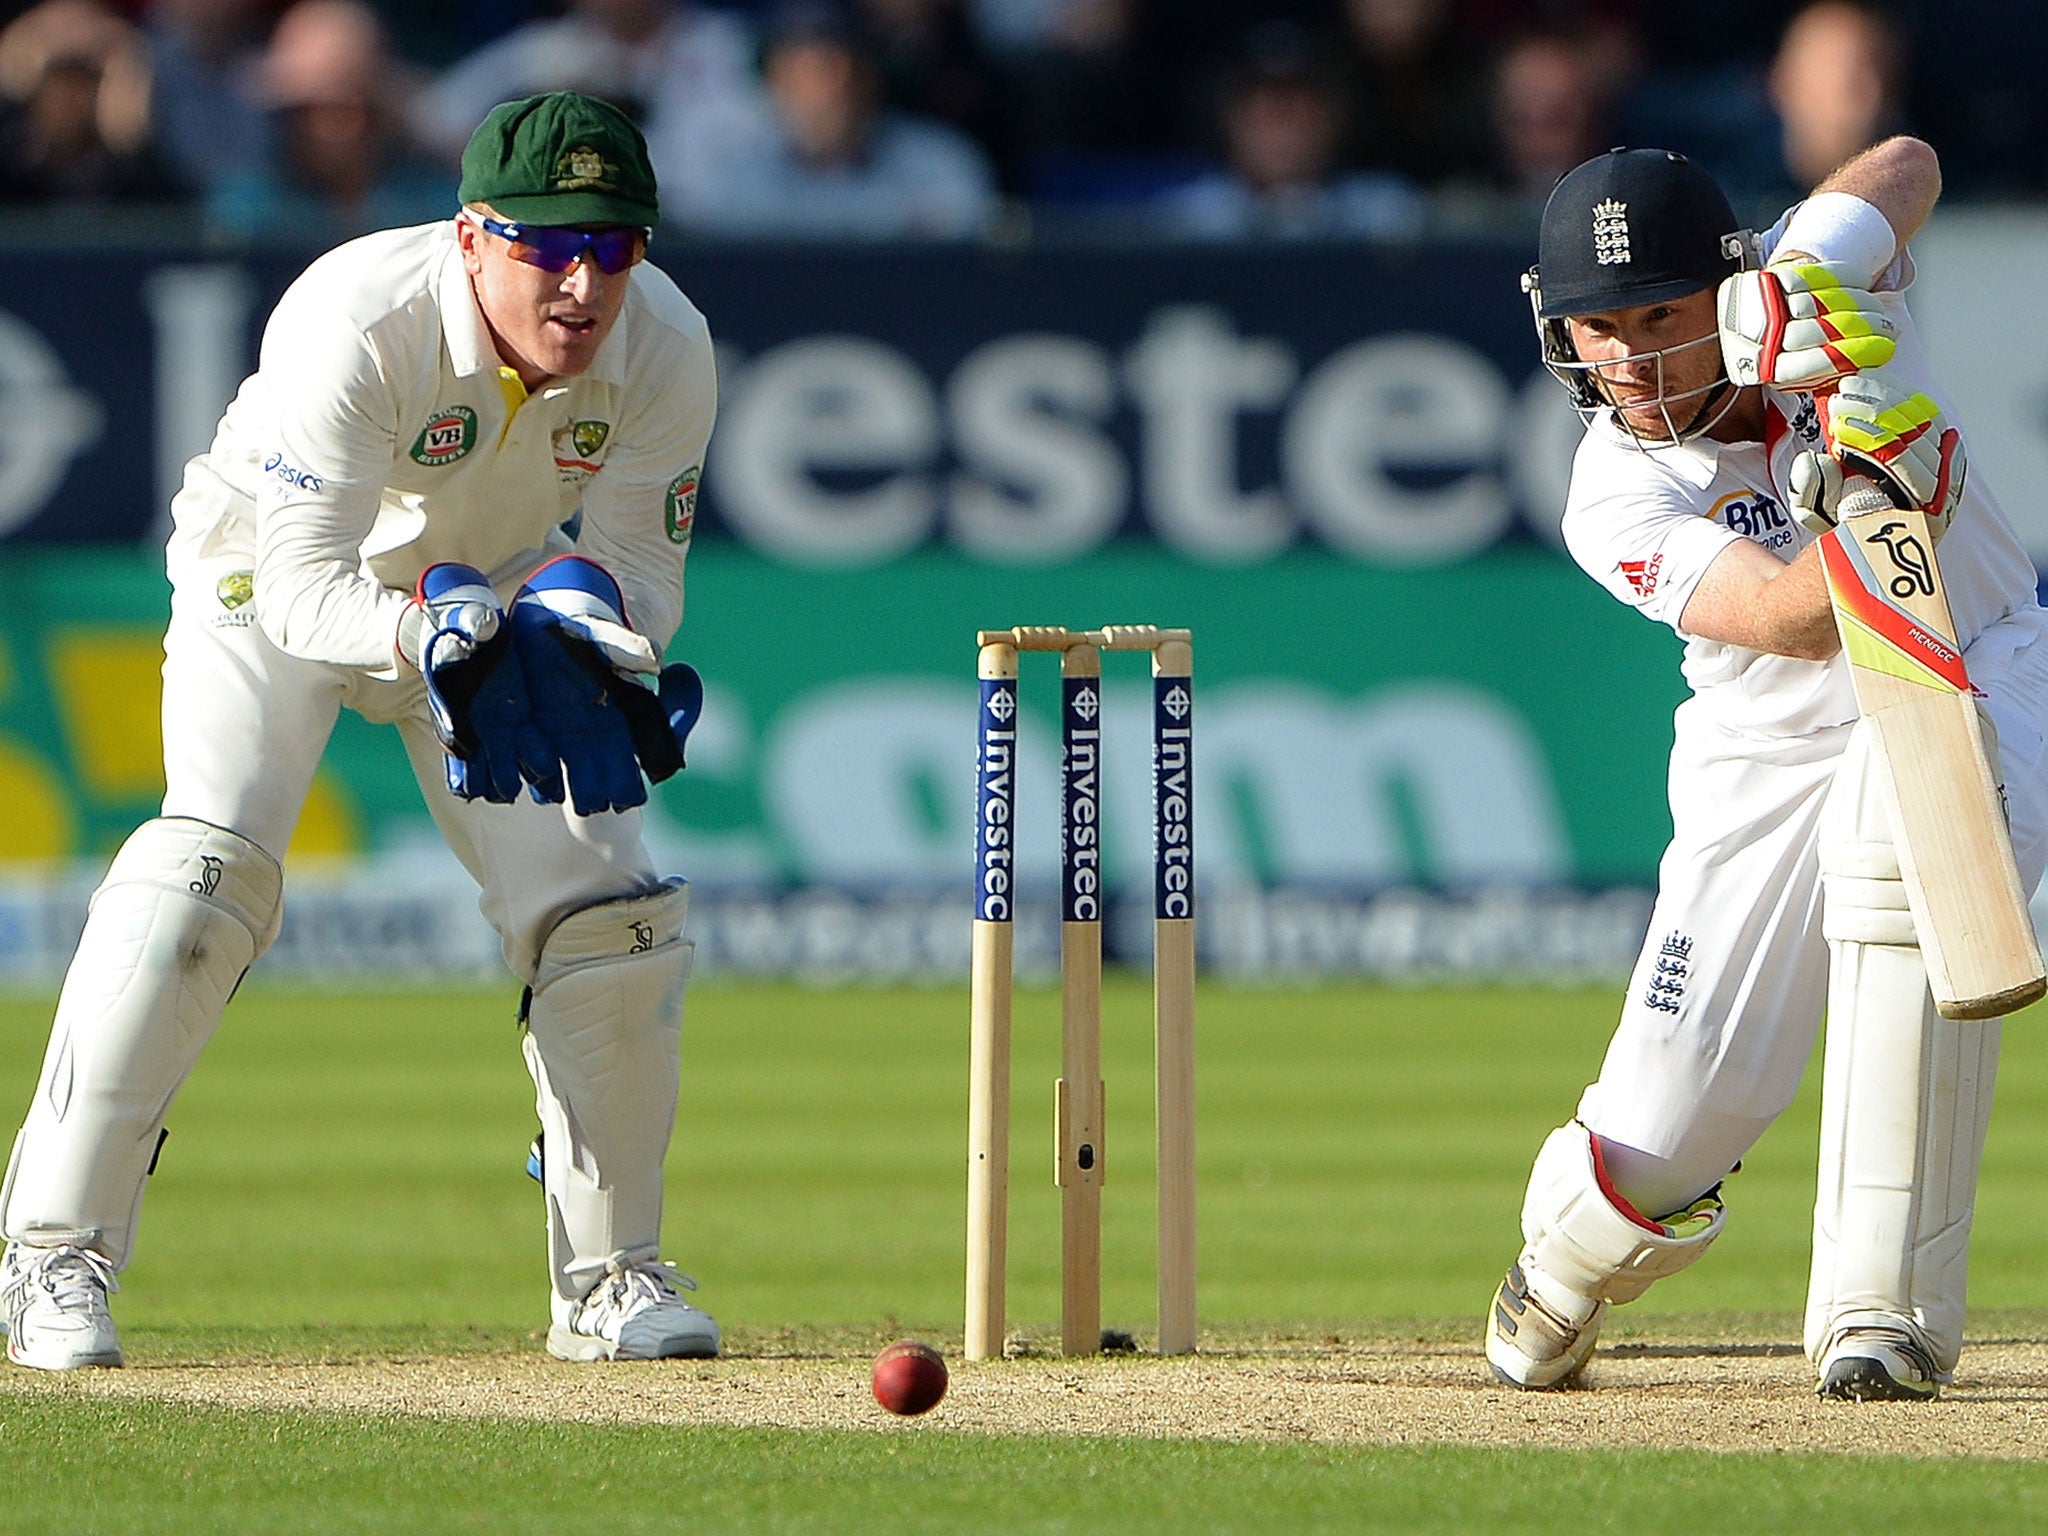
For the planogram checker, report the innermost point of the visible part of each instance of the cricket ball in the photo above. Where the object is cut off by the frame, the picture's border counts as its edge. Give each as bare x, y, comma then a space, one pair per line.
909, 1377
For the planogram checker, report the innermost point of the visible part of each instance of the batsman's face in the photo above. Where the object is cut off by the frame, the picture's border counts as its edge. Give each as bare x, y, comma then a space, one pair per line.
1656, 364
546, 324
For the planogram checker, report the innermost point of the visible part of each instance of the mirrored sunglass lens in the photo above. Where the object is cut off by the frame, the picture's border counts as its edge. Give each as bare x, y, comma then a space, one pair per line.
557, 250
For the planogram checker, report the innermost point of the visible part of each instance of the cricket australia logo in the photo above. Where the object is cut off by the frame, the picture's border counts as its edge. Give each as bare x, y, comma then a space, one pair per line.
582, 167
1666, 989
235, 589
209, 875
680, 511
1610, 233
446, 437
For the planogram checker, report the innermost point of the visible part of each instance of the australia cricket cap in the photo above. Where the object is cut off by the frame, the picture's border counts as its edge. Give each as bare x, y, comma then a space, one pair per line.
1632, 226
562, 158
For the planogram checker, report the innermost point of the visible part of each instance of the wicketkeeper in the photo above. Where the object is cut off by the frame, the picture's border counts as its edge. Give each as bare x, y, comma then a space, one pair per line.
455, 496
1727, 382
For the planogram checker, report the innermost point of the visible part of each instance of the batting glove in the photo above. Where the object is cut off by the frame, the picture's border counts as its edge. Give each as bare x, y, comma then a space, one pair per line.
1900, 441
1801, 326
599, 690
456, 635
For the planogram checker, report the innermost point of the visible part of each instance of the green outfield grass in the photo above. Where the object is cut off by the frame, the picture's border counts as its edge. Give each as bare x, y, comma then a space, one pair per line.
344, 1179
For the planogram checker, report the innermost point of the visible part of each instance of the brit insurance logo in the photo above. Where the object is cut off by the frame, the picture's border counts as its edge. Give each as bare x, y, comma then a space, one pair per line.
446, 437
1610, 232
681, 508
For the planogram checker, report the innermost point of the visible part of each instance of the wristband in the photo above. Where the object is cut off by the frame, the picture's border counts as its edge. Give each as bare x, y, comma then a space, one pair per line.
1841, 227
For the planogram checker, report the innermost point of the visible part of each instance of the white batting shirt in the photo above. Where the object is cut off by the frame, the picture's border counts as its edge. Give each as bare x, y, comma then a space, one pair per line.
1647, 524
380, 434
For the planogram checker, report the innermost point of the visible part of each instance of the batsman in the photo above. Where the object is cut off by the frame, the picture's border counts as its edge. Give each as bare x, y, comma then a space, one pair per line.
1735, 389
455, 496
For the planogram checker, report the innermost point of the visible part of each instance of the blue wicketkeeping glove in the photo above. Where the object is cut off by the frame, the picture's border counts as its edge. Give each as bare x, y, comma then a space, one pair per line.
476, 691
599, 691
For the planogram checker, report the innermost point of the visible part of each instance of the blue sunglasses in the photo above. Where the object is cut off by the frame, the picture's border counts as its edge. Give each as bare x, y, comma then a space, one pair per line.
558, 247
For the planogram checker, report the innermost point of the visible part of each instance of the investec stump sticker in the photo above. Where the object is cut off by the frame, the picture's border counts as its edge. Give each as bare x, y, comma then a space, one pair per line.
446, 437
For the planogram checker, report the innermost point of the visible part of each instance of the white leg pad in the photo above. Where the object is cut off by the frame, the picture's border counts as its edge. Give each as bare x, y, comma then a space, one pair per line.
604, 1025
1576, 1236
1905, 1102
184, 911
1581, 1254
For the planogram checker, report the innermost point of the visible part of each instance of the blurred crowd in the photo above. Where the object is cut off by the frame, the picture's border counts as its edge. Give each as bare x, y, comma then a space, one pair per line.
311, 120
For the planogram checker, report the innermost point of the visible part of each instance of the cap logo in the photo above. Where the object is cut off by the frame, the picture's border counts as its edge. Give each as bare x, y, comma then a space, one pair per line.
583, 167
1610, 232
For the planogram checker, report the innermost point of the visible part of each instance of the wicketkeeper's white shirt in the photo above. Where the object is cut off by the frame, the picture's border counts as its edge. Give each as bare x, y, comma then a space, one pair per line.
381, 434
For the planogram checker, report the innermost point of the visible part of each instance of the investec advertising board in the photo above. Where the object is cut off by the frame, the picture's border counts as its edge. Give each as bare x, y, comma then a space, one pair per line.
1425, 743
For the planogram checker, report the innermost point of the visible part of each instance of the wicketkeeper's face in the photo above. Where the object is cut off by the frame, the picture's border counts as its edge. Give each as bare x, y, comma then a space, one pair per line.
546, 324
1656, 364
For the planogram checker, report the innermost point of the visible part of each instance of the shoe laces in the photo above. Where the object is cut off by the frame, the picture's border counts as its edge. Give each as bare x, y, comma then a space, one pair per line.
72, 1277
629, 1288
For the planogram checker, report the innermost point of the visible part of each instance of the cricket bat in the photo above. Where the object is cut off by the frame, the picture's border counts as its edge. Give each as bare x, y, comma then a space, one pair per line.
1948, 819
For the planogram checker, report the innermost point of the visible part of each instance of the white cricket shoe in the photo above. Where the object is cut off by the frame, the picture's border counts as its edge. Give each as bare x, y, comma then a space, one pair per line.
1539, 1335
55, 1301
1878, 1365
636, 1312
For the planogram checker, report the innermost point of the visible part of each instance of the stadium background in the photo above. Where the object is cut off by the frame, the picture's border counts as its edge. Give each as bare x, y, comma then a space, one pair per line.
1427, 745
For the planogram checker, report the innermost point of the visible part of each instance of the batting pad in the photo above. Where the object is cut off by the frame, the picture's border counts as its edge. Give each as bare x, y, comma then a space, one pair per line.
604, 1024
184, 911
1579, 1240
1905, 1101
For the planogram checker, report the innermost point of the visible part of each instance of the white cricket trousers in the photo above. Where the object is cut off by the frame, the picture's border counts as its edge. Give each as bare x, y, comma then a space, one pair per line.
1729, 991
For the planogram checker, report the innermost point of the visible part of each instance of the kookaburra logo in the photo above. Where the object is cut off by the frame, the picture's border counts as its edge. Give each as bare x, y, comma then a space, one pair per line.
1610, 232
1909, 559
209, 875
643, 938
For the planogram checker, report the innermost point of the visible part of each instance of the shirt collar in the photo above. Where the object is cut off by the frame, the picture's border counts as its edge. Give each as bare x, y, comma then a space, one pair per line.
470, 350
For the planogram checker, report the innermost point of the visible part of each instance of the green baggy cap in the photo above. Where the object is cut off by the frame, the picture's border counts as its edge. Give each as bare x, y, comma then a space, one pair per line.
562, 158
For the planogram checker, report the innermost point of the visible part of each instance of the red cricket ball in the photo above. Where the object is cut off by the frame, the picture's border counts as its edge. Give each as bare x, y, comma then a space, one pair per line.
909, 1377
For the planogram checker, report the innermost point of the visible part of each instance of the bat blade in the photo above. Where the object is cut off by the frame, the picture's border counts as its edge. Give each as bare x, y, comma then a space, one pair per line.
1948, 821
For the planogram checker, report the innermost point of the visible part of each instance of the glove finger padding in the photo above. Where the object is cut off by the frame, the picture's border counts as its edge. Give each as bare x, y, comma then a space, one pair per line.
1801, 325
1816, 490
571, 684
1901, 441
476, 692
661, 717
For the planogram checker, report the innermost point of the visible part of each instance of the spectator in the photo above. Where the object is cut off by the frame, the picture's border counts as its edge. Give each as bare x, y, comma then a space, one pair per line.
826, 157
932, 65
1548, 113
1420, 90
341, 163
1835, 85
1282, 123
683, 73
74, 109
205, 53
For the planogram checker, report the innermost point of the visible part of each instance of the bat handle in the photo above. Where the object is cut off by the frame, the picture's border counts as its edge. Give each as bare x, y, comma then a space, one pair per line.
1860, 497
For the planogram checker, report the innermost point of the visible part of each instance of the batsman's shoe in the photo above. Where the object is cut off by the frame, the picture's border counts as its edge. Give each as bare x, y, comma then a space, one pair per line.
1540, 1334
55, 1301
1878, 1365
636, 1312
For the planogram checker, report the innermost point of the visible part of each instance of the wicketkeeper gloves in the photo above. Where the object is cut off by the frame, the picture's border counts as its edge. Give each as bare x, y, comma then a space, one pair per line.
1801, 325
477, 693
599, 691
